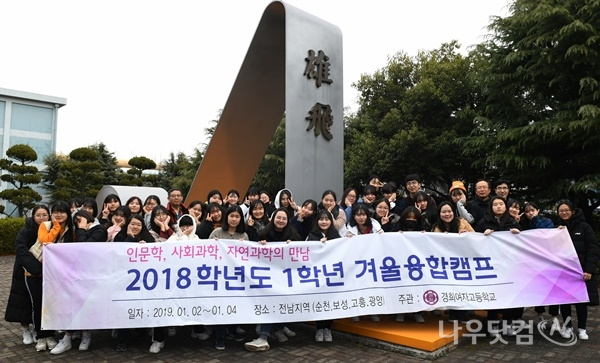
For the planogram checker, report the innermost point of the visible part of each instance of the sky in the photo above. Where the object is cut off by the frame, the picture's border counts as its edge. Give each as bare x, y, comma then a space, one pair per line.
147, 77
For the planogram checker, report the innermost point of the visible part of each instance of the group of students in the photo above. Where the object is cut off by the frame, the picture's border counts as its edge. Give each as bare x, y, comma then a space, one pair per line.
257, 218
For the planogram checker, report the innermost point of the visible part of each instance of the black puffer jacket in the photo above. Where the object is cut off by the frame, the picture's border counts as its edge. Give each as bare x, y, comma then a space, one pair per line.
18, 307
586, 246
490, 222
584, 240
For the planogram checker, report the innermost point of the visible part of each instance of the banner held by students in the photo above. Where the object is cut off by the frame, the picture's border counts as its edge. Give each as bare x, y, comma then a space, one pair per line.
121, 285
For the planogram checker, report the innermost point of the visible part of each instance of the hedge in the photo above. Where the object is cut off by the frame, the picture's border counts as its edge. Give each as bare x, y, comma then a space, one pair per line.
9, 227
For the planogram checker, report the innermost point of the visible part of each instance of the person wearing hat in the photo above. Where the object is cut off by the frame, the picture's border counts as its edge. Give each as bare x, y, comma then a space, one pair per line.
458, 194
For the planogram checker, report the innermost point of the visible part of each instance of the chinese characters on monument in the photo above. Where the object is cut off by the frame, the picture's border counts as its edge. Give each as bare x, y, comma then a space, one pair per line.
321, 118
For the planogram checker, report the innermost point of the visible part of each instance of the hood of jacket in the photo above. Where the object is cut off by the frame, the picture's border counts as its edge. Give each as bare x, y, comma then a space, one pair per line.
193, 221
276, 201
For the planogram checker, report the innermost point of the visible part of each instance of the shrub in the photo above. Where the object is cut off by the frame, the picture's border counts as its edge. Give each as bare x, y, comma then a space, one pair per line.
9, 227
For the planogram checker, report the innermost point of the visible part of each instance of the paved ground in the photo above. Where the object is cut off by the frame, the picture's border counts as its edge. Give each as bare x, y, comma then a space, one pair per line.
302, 348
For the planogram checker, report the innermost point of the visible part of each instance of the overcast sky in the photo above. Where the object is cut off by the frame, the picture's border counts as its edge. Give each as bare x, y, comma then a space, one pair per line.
146, 77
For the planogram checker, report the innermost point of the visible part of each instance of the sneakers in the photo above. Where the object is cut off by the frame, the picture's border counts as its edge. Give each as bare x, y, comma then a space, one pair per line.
76, 335
375, 318
555, 325
319, 335
171, 331
201, 336
51, 342
583, 335
280, 336
356, 319
121, 347
63, 345
28, 336
287, 331
567, 333
257, 345
400, 318
419, 317
156, 347
41, 344
240, 331
327, 335
86, 340
220, 344
511, 331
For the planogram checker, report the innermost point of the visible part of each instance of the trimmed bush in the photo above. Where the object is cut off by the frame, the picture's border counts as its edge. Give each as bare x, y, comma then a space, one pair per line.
9, 227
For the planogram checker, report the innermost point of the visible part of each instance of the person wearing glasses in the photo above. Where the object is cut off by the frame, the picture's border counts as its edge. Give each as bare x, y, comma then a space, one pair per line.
161, 228
175, 207
383, 214
61, 231
586, 246
19, 308
501, 188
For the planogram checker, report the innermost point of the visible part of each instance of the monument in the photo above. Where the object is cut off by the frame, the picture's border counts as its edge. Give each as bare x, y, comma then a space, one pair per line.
293, 69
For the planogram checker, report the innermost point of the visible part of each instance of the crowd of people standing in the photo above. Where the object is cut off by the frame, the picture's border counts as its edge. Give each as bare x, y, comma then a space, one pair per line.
256, 217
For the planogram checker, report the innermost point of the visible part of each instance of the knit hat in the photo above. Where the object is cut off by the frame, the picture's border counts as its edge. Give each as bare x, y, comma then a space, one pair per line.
457, 185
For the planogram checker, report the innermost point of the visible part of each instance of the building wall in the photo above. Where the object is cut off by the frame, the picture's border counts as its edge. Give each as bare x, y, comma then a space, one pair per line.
31, 119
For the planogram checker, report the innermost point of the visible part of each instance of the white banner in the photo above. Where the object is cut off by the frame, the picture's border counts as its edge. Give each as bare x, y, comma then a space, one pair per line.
120, 285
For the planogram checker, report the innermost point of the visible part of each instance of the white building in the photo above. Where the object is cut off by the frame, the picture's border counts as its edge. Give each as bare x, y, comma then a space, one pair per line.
28, 118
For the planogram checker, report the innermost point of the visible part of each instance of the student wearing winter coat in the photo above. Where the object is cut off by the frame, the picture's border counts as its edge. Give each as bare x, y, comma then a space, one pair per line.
61, 231
384, 215
458, 194
303, 220
284, 199
213, 220
135, 231
329, 203
186, 230
118, 220
257, 219
19, 308
586, 246
449, 222
278, 229
532, 218
323, 230
87, 229
233, 226
497, 218
361, 221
